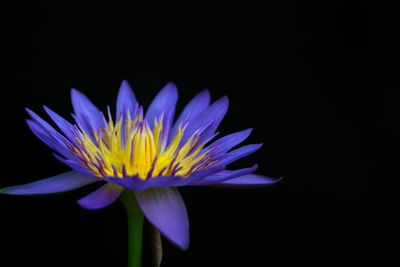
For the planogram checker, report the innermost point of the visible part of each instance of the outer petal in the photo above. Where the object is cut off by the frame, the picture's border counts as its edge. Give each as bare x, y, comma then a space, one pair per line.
225, 175
50, 139
251, 180
165, 209
239, 153
47, 134
213, 114
59, 183
193, 108
135, 183
102, 197
42, 123
63, 124
131, 183
76, 166
85, 111
200, 175
165, 101
227, 142
126, 100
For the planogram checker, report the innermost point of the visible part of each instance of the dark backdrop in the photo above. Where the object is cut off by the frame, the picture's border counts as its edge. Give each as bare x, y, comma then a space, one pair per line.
316, 81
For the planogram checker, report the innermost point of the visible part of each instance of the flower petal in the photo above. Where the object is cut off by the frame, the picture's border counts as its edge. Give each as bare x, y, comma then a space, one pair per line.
167, 181
200, 175
251, 180
42, 123
165, 209
193, 108
137, 184
126, 100
225, 175
59, 183
76, 166
85, 111
102, 197
165, 101
44, 129
62, 124
224, 144
239, 153
131, 183
51, 139
212, 114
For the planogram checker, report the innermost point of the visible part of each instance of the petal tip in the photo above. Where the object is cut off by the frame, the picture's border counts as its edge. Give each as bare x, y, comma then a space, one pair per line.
222, 103
87, 206
3, 191
84, 205
125, 85
185, 245
76, 93
30, 112
225, 99
171, 88
171, 84
9, 191
205, 92
247, 132
48, 110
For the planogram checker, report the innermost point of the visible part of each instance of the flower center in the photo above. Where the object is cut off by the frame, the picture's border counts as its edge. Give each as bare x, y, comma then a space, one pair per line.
129, 147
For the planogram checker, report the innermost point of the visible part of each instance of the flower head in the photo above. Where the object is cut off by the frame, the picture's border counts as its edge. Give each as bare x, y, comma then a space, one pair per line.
143, 152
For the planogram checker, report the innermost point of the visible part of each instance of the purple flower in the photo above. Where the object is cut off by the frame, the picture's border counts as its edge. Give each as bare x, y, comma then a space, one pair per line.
146, 153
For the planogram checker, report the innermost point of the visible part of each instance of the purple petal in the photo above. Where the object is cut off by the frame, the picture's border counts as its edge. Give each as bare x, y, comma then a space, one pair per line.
165, 132
59, 183
76, 166
63, 124
213, 114
225, 175
165, 209
239, 153
131, 183
102, 197
85, 111
164, 102
126, 100
163, 181
251, 180
137, 184
167, 181
227, 142
51, 139
193, 108
42, 123
47, 134
200, 175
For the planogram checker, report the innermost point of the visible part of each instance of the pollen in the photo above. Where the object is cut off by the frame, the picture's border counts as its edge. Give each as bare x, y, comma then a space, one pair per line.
130, 147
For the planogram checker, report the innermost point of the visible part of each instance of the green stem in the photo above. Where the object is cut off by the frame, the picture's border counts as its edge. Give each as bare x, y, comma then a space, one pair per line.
135, 228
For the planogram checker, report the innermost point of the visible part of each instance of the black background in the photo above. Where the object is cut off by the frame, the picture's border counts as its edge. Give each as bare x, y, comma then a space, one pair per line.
317, 81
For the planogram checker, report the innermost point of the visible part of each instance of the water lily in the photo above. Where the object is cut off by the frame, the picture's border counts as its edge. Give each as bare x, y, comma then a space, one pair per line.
143, 157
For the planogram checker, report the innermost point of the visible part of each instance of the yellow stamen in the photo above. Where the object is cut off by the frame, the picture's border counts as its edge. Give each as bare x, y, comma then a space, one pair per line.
129, 146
